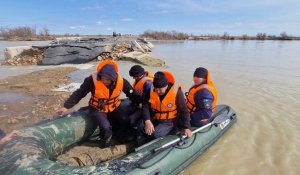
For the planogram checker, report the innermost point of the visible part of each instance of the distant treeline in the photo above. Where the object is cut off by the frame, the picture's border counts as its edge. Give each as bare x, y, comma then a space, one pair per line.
31, 33
24, 33
173, 35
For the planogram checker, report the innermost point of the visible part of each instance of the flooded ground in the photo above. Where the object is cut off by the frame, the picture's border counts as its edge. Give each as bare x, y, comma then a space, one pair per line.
28, 98
10, 97
259, 79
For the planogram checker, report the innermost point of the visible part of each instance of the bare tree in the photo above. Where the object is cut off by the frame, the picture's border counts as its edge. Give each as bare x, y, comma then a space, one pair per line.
4, 33
284, 36
226, 35
165, 35
245, 37
261, 36
46, 31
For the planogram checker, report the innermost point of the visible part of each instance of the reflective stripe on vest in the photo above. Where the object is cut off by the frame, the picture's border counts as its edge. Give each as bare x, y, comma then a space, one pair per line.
101, 100
191, 94
165, 109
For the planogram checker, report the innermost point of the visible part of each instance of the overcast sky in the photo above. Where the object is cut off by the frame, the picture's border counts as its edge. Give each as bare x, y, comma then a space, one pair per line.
235, 17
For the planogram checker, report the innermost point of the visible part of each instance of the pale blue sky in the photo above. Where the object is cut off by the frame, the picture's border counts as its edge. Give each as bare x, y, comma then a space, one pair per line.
236, 17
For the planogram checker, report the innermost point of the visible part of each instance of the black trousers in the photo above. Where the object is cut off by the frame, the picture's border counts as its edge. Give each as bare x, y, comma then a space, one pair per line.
162, 128
116, 122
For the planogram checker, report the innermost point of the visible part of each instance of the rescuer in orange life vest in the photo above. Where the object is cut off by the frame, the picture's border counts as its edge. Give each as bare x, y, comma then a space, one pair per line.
201, 98
165, 111
142, 84
105, 85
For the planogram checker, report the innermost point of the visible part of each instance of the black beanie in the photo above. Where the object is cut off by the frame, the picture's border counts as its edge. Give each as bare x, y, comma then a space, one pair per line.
160, 80
136, 70
109, 72
201, 72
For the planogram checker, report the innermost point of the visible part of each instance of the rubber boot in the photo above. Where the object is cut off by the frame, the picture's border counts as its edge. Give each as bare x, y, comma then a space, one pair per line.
104, 143
140, 140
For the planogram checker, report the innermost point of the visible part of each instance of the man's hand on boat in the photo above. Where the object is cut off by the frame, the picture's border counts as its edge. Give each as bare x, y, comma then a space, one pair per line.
61, 111
149, 128
9, 136
188, 133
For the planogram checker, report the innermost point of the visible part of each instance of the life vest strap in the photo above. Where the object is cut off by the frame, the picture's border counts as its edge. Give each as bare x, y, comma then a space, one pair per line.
101, 103
163, 112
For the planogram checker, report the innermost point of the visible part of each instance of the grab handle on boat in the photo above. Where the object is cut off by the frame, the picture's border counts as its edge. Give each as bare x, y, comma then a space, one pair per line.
218, 119
52, 119
147, 144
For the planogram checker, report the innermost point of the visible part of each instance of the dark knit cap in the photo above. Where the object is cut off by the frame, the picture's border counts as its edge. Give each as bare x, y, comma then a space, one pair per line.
109, 72
160, 80
136, 70
201, 72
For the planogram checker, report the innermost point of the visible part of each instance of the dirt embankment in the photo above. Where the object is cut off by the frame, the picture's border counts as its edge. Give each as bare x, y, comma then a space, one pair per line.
30, 98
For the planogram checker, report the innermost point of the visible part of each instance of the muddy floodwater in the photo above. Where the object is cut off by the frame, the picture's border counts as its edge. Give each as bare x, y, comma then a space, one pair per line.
259, 79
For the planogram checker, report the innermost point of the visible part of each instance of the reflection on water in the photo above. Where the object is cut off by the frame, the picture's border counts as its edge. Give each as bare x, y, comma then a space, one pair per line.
11, 97
260, 80
251, 57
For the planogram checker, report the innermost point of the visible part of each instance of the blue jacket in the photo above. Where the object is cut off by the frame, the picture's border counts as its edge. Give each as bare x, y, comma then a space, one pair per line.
203, 101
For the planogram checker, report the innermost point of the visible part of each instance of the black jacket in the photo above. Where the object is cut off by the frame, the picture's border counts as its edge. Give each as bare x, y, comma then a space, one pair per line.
183, 115
88, 86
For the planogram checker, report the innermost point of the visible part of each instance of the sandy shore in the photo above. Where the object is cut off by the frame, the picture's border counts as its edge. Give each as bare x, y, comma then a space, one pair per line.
28, 98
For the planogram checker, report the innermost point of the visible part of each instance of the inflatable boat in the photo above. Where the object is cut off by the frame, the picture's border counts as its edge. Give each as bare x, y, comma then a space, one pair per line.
35, 149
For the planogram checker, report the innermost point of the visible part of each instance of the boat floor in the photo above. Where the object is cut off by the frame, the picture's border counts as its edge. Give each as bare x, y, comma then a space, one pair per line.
89, 153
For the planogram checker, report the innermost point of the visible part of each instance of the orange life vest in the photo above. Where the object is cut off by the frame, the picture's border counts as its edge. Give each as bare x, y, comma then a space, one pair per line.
208, 86
138, 87
165, 109
101, 100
